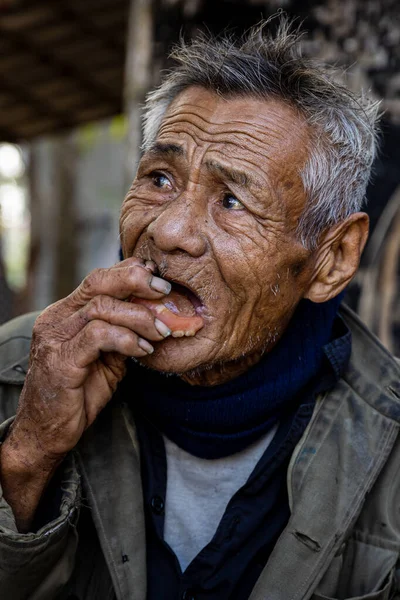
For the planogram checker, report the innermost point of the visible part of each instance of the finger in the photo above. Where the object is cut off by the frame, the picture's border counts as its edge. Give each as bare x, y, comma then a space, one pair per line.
120, 282
141, 262
116, 312
62, 309
97, 337
95, 401
149, 264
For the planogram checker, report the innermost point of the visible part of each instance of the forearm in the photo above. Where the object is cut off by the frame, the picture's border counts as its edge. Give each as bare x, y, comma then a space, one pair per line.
29, 558
24, 475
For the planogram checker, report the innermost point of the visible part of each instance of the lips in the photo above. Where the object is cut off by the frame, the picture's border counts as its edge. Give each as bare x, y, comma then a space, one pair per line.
180, 310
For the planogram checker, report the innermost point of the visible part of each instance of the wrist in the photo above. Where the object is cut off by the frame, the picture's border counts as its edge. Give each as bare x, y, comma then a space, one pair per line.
22, 455
25, 471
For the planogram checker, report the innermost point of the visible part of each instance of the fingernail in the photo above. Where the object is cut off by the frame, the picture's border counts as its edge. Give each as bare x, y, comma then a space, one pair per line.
144, 344
160, 285
162, 328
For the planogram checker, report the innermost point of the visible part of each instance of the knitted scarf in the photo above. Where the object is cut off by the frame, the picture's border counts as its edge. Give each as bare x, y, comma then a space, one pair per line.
212, 422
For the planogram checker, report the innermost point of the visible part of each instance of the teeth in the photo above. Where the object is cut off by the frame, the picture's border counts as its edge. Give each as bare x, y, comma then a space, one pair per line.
178, 334
159, 308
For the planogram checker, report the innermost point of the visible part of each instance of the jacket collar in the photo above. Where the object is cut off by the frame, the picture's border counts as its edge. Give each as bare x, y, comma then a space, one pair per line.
342, 452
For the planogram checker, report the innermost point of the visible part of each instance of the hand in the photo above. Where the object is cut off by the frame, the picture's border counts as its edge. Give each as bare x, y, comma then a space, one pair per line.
78, 353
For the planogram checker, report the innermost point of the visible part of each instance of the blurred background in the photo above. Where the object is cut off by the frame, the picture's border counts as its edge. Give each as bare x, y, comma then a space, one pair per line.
73, 75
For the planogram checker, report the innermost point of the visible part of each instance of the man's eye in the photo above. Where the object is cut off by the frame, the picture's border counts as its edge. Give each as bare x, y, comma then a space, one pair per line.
229, 201
161, 181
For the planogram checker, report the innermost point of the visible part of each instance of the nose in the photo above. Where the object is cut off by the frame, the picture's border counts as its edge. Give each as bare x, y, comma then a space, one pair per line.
180, 227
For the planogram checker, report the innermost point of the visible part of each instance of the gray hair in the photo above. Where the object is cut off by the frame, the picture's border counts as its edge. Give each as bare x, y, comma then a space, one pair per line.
343, 125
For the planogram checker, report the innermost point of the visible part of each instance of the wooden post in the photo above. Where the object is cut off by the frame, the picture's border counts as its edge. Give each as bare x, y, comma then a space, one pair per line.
66, 241
138, 78
53, 243
27, 295
43, 209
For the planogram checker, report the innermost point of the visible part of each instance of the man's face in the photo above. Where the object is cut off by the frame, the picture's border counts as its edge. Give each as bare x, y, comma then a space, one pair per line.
215, 205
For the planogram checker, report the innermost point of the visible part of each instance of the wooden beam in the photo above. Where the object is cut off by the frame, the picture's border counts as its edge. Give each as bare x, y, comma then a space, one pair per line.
23, 18
138, 72
78, 15
15, 63
16, 113
51, 89
56, 34
93, 114
40, 126
25, 96
72, 102
114, 21
57, 86
91, 5
48, 55
29, 71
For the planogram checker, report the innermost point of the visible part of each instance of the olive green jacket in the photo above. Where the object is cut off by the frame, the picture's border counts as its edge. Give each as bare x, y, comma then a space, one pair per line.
342, 540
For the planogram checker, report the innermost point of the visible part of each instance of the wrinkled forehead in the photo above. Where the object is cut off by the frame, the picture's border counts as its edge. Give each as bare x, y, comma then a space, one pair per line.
270, 130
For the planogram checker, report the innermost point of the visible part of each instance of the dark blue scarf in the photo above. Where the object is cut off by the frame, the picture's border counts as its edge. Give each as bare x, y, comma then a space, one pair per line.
212, 422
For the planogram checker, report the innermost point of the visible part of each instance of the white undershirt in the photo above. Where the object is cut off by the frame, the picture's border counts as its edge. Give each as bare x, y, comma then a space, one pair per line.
198, 491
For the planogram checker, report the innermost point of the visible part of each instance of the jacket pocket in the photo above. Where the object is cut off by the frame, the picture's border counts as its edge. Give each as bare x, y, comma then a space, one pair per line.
363, 571
385, 593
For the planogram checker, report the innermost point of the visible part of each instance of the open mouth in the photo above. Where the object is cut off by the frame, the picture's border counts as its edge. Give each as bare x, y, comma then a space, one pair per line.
181, 310
183, 301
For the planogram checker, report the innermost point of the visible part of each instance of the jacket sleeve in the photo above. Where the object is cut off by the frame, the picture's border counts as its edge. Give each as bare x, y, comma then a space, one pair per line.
36, 566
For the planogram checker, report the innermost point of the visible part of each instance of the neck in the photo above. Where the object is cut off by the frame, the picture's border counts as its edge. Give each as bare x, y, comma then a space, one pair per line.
221, 373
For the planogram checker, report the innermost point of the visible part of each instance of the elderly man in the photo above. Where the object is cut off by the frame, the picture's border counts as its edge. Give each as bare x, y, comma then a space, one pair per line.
199, 421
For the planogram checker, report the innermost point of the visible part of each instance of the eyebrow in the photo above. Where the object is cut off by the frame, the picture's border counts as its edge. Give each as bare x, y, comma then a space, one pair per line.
160, 149
235, 176
232, 175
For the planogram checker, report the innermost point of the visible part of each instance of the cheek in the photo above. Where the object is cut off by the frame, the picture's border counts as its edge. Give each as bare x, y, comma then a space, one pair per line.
259, 273
245, 263
134, 219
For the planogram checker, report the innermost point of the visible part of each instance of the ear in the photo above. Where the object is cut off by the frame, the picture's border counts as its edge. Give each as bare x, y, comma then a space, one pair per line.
337, 257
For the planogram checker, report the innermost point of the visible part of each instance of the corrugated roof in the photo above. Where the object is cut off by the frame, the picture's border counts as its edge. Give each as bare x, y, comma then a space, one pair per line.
61, 64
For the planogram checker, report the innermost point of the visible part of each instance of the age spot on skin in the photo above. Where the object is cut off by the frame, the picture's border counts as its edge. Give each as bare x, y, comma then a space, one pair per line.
298, 267
287, 185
